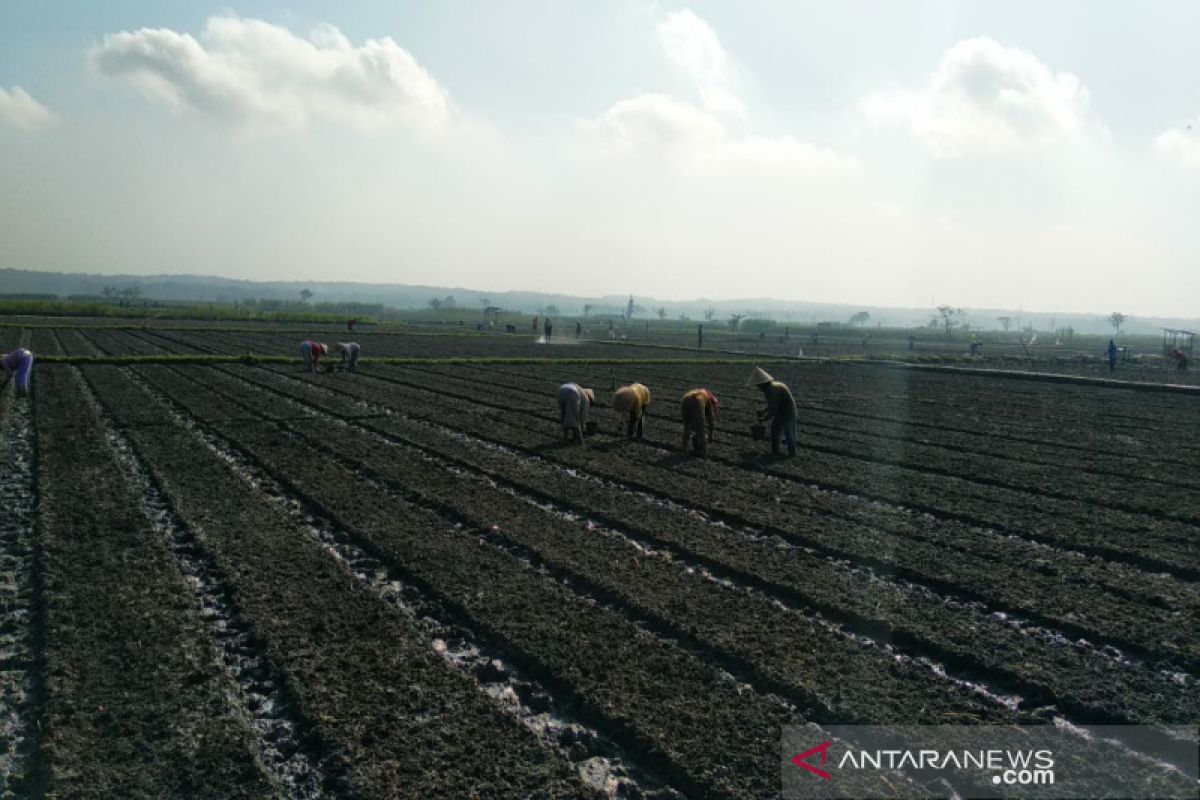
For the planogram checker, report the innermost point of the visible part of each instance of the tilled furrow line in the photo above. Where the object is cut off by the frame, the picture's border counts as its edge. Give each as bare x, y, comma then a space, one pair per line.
995, 646
895, 439
1092, 528
45, 342
74, 343
19, 686
647, 694
160, 340
258, 688
388, 713
860, 401
648, 585
1148, 631
135, 700
600, 762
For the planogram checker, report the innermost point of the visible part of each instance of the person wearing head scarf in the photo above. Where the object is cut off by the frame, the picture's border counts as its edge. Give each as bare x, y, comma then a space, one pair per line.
781, 410
574, 401
699, 409
18, 363
312, 353
631, 402
349, 354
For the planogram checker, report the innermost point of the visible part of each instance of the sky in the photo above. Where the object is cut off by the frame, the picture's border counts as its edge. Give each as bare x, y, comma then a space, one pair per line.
1025, 155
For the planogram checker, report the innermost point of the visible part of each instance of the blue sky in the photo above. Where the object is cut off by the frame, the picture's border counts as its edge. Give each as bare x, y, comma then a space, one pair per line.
1020, 154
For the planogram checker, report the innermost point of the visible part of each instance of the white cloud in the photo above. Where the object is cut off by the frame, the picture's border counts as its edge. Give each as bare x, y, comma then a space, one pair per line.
691, 46
1182, 144
19, 109
653, 122
260, 75
988, 99
662, 127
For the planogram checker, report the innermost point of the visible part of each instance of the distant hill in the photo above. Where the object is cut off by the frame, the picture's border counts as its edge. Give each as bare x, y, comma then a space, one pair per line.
208, 289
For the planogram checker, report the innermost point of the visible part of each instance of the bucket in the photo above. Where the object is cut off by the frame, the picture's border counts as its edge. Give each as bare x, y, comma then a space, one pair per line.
590, 428
758, 432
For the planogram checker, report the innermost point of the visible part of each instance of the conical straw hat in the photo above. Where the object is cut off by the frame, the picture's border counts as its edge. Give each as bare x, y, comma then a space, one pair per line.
759, 377
590, 394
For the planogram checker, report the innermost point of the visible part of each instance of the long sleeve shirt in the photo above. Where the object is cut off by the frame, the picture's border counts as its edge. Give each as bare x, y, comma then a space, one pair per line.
780, 402
11, 362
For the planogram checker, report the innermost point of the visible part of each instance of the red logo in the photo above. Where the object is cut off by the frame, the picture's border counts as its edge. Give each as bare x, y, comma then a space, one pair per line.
802, 760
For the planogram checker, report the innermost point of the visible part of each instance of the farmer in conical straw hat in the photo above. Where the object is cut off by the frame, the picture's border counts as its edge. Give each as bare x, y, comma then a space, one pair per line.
781, 409
311, 353
574, 402
632, 400
699, 409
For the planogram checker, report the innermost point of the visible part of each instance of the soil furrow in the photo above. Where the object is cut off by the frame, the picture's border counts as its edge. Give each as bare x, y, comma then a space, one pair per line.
381, 703
968, 637
136, 700
1152, 633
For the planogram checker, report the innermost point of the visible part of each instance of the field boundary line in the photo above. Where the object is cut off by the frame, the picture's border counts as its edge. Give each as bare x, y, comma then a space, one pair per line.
209, 359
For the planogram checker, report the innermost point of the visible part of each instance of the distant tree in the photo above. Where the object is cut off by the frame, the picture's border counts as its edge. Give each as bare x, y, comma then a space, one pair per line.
587, 309
1005, 322
305, 295
630, 308
860, 317
485, 301
949, 317
109, 292
683, 317
449, 302
435, 303
550, 310
661, 311
1117, 319
735, 321
709, 313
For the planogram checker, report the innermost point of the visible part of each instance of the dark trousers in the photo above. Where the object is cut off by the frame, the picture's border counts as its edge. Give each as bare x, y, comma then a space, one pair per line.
634, 428
783, 427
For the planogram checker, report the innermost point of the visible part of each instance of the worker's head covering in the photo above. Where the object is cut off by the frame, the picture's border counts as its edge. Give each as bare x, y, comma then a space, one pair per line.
590, 394
712, 398
759, 377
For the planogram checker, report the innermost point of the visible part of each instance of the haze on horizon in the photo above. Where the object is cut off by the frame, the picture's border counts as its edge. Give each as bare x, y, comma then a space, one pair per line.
1021, 155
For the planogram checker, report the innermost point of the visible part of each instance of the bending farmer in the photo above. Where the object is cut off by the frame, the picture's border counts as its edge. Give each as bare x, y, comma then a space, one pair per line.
781, 410
20, 363
574, 401
349, 353
632, 401
312, 353
699, 409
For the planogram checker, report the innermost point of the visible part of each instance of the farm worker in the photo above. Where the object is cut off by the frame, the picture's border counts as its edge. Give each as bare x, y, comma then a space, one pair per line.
781, 409
578, 328
349, 353
548, 329
632, 400
535, 319
312, 353
20, 363
574, 401
350, 325
1111, 354
1181, 360
699, 409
